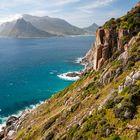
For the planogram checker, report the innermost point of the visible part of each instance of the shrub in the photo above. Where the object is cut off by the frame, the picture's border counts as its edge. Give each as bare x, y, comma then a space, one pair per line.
89, 125
124, 25
114, 137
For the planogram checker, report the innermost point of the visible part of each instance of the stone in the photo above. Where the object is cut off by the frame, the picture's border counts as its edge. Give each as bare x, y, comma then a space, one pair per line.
105, 79
73, 74
11, 120
78, 89
108, 132
128, 114
120, 88
128, 81
126, 46
136, 76
118, 71
1, 134
10, 133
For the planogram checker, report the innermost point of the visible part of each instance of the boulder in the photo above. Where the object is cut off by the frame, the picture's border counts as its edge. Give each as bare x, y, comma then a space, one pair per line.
120, 88
11, 120
10, 133
128, 114
128, 81
73, 74
2, 135
118, 71
136, 76
108, 132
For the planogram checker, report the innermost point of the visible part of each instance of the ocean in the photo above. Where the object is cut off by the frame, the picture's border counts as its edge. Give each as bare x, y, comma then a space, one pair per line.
31, 70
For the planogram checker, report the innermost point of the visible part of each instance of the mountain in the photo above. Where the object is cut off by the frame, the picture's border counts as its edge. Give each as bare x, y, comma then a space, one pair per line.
104, 104
54, 25
91, 29
22, 29
7, 27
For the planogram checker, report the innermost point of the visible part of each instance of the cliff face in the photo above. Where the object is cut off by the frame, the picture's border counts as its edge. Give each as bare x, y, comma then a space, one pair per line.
113, 38
108, 41
103, 104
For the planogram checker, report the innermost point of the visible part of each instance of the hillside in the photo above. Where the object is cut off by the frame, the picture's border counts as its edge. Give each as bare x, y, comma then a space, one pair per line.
92, 28
104, 104
22, 29
49, 25
54, 25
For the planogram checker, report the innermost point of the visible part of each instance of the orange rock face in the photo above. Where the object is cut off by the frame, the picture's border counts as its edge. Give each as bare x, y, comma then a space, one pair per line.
107, 42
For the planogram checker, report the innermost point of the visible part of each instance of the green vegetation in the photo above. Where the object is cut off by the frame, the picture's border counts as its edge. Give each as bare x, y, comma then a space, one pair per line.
90, 108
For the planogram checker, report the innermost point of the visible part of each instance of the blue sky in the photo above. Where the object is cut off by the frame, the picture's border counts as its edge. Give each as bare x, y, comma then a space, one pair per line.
78, 12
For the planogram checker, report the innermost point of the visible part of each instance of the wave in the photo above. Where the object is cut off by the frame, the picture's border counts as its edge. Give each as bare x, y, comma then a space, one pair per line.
18, 114
78, 60
68, 78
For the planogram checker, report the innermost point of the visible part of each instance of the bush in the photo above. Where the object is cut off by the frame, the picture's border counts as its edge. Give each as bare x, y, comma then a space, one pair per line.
89, 125
124, 25
114, 137
73, 130
110, 104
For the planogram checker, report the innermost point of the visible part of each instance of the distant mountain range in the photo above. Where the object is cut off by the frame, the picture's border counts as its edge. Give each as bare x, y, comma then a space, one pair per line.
33, 26
91, 29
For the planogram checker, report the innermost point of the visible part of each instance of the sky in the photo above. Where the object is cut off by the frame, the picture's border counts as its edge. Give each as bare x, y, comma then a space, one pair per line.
81, 13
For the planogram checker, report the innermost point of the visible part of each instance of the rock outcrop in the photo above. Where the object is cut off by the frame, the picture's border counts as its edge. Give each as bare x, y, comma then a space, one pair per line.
108, 41
114, 37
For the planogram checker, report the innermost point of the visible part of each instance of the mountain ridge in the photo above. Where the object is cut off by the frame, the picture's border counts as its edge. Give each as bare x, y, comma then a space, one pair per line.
92, 28
55, 26
24, 29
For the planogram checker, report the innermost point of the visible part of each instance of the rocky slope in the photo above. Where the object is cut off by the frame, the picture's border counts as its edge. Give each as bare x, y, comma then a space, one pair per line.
104, 103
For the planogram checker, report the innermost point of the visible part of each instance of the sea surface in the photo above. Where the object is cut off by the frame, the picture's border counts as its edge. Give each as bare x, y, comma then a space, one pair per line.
30, 69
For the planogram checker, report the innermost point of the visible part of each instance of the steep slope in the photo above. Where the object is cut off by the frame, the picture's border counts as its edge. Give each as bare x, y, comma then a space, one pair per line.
54, 25
103, 104
91, 29
23, 28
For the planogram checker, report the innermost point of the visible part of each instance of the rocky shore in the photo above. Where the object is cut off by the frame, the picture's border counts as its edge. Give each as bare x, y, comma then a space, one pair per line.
12, 125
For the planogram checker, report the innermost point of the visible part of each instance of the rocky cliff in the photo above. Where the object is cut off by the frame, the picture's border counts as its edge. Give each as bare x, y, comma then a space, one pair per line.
103, 104
113, 38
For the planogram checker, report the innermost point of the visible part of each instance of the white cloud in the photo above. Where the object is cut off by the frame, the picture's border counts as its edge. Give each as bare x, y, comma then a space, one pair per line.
96, 4
62, 2
77, 12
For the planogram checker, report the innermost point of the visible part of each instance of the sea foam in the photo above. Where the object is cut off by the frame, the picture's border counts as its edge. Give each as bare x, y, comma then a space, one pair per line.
68, 78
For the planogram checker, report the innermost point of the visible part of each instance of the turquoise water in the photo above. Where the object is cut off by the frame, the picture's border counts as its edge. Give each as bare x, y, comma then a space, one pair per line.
29, 69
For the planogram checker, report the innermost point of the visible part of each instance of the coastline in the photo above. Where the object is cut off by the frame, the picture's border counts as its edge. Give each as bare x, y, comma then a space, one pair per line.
21, 114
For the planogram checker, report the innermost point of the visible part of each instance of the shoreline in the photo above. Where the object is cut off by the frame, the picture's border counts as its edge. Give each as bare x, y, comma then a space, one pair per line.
61, 36
19, 115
